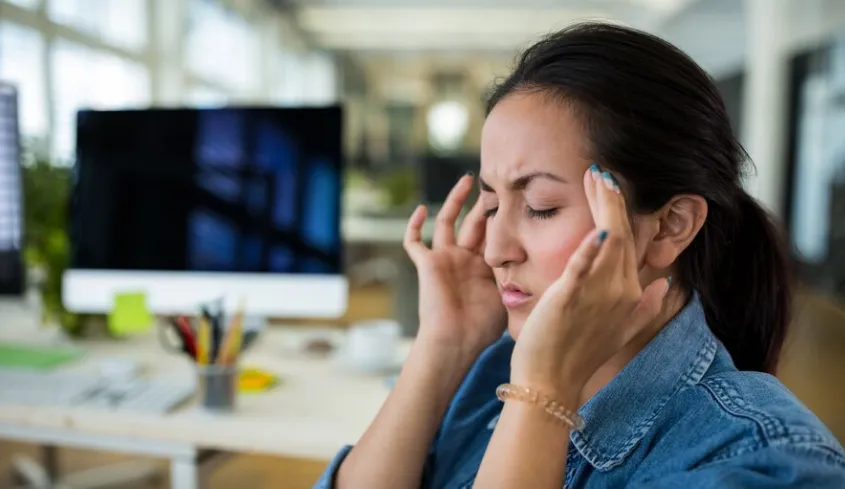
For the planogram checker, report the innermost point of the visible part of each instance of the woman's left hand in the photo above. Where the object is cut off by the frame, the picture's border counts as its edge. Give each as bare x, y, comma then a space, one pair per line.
596, 306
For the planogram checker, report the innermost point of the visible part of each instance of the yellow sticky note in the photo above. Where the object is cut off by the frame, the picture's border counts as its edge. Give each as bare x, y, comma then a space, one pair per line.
130, 314
252, 380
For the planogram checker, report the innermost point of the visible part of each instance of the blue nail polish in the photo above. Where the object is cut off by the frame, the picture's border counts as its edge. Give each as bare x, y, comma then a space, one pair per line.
602, 236
669, 280
610, 178
595, 168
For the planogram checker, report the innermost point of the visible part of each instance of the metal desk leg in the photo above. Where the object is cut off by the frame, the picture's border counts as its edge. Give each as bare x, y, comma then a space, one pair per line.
184, 473
406, 294
50, 459
195, 471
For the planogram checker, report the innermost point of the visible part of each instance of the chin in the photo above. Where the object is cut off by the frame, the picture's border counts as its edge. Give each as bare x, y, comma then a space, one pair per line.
515, 323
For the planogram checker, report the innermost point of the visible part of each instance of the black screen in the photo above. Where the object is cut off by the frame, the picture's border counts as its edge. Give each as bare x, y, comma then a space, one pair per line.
441, 172
218, 190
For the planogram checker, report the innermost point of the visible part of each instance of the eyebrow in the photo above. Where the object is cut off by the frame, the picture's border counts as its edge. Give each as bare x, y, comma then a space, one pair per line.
522, 182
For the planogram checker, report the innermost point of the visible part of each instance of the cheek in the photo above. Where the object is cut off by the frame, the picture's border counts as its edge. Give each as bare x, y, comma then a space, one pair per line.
548, 255
551, 253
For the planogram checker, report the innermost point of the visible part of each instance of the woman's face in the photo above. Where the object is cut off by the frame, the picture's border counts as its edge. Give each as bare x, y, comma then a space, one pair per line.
533, 160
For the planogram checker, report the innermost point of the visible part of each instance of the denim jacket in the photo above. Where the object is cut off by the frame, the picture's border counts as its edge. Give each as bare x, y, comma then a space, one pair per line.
679, 415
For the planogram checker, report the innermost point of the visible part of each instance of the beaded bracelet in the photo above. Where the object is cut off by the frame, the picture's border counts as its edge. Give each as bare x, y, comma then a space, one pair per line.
524, 394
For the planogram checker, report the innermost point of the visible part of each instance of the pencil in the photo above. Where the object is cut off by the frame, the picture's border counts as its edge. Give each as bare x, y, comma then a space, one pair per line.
232, 343
203, 341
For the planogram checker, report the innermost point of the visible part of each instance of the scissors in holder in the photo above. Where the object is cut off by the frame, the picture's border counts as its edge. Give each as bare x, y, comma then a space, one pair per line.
177, 336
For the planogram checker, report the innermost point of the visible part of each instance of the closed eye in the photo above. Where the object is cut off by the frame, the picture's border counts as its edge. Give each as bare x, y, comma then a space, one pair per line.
541, 214
532, 213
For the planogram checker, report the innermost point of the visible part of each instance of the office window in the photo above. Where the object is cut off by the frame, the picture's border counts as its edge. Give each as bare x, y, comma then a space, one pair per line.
306, 78
28, 4
119, 22
222, 48
88, 78
816, 213
205, 96
10, 197
20, 64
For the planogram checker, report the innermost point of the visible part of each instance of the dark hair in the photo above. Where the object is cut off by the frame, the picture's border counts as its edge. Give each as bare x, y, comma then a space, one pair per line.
655, 118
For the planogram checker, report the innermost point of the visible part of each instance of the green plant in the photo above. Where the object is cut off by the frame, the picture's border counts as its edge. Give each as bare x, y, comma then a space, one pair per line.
401, 185
46, 198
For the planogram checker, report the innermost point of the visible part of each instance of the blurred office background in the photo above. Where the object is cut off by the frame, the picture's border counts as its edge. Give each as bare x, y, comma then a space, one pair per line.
411, 76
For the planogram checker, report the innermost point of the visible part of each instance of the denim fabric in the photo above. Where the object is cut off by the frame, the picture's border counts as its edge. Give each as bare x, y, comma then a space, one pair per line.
680, 415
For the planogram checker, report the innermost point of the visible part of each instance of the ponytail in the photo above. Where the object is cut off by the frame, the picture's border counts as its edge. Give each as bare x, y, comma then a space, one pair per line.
739, 264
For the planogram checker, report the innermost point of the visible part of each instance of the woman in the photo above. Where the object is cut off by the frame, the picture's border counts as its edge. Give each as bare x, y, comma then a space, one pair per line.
637, 281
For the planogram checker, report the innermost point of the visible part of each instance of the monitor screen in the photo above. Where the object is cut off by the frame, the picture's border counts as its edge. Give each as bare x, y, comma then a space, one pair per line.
11, 212
439, 173
243, 190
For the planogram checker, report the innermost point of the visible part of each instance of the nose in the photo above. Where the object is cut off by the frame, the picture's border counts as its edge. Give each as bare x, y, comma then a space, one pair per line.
503, 246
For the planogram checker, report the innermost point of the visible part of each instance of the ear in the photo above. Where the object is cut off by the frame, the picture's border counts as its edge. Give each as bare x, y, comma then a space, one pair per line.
676, 223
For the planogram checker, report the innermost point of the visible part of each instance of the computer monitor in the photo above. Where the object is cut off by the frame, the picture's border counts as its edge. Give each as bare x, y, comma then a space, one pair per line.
439, 173
11, 195
188, 205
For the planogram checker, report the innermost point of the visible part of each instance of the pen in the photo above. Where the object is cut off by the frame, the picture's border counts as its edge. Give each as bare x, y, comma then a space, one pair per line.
249, 339
216, 333
187, 334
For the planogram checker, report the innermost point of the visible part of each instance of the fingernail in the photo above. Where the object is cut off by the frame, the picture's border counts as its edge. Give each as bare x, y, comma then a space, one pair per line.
608, 180
602, 236
595, 172
469, 174
668, 283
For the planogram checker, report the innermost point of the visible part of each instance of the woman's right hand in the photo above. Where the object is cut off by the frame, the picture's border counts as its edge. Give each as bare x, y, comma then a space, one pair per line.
460, 305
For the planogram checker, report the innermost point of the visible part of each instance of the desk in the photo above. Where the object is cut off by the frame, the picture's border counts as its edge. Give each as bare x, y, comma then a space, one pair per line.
381, 230
299, 418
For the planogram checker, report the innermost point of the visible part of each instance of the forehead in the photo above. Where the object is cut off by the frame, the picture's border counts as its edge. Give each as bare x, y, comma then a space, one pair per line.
528, 132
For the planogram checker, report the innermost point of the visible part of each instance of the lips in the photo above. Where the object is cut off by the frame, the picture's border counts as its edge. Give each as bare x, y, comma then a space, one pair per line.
513, 296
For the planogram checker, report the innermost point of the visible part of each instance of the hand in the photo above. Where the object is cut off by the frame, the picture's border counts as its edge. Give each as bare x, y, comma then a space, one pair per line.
459, 300
596, 306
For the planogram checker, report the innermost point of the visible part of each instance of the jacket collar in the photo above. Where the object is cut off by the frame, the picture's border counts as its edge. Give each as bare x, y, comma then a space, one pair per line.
620, 414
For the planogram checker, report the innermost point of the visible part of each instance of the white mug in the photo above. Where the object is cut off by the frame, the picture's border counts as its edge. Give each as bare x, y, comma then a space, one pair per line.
373, 345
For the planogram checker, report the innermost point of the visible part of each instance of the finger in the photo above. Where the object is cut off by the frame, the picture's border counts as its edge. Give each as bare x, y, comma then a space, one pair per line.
580, 262
592, 174
413, 234
444, 226
611, 203
618, 213
483, 245
649, 307
611, 259
473, 228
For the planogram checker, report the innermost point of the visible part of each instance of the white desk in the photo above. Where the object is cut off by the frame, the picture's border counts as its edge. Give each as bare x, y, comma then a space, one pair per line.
380, 230
319, 406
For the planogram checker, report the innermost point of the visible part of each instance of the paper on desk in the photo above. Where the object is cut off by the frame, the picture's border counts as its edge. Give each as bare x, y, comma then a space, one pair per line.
130, 314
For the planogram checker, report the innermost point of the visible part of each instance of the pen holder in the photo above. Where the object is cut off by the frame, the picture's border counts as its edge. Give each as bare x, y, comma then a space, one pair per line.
218, 387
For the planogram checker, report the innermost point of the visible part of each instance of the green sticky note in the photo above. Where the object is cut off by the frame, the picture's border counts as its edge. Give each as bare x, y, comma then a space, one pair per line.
130, 314
35, 357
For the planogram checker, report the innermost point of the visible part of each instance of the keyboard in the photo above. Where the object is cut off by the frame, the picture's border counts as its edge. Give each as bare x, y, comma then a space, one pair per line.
72, 389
